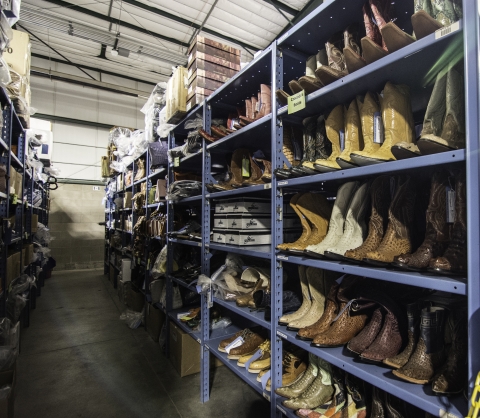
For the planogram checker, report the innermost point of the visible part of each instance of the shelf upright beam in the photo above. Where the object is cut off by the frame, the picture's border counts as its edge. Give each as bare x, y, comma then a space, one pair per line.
472, 106
205, 312
277, 231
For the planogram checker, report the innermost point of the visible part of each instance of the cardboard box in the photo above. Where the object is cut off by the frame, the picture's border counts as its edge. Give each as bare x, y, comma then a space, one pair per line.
27, 254
18, 55
13, 268
154, 319
13, 174
211, 67
8, 377
185, 352
18, 184
213, 51
195, 100
257, 237
127, 200
34, 223
202, 40
198, 73
219, 236
176, 95
250, 205
201, 59
247, 221
122, 290
220, 221
202, 83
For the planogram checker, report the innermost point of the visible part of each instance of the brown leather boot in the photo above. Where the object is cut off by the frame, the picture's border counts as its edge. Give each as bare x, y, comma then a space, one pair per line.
397, 237
437, 234
376, 14
336, 67
454, 260
306, 228
429, 353
380, 197
413, 316
352, 50
367, 335
236, 178
378, 406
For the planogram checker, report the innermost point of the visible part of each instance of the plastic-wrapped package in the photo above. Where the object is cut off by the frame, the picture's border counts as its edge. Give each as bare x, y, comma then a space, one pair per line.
182, 189
5, 78
132, 319
118, 132
164, 129
43, 234
15, 305
194, 123
52, 171
156, 289
139, 143
220, 323
160, 265
176, 298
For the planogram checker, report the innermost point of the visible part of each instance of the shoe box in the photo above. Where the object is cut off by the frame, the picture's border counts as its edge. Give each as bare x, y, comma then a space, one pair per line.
176, 96
154, 321
258, 237
185, 352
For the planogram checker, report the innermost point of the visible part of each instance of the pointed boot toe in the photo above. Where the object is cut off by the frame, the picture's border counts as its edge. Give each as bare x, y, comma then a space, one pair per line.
295, 86
424, 24
282, 97
367, 335
395, 38
372, 51
310, 84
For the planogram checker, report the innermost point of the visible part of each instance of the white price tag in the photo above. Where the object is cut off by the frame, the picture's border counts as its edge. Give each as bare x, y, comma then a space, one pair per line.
283, 183
378, 135
450, 203
282, 335
237, 342
282, 257
440, 33
267, 186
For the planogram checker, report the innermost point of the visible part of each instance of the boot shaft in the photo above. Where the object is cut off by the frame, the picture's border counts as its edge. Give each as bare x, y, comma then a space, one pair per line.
309, 131
435, 113
380, 198
323, 147
401, 210
334, 125
368, 107
334, 47
344, 196
453, 130
353, 130
413, 317
432, 328
355, 217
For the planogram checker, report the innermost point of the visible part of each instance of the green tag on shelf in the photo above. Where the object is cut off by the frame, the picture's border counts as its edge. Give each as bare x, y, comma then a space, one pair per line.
296, 102
245, 167
176, 161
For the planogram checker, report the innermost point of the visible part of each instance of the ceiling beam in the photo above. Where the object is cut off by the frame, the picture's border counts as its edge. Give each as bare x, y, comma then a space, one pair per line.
282, 6
121, 23
189, 23
98, 70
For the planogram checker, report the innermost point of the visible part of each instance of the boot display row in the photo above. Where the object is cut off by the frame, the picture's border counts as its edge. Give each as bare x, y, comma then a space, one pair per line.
360, 45
387, 238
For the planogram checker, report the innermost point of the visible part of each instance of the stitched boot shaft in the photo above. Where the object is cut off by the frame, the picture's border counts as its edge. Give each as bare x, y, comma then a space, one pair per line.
336, 67
352, 50
429, 353
453, 132
368, 106
453, 376
353, 133
337, 220
435, 113
333, 125
307, 299
413, 316
330, 312
437, 233
447, 11
423, 21
375, 16
323, 147
306, 229
355, 228
455, 257
266, 96
400, 215
297, 388
309, 142
367, 335
356, 403
395, 408
378, 407
380, 198
319, 288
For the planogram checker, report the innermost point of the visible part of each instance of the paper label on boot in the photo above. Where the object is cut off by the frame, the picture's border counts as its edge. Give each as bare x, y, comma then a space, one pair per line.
450, 202
342, 139
378, 135
440, 33
237, 342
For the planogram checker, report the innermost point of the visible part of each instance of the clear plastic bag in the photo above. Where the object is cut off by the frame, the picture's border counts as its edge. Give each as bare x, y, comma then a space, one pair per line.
194, 123
164, 129
160, 265
132, 319
5, 78
220, 323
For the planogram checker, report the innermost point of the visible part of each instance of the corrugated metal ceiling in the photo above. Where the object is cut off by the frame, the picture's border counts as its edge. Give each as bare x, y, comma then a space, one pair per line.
154, 34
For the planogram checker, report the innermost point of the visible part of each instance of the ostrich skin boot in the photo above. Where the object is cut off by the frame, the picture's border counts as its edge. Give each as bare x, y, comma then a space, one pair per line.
453, 376
429, 353
329, 314
452, 135
306, 303
355, 227
378, 406
353, 136
454, 260
317, 210
380, 198
306, 229
367, 335
334, 127
337, 220
398, 125
296, 389
319, 392
318, 290
413, 316
400, 215
375, 16
437, 232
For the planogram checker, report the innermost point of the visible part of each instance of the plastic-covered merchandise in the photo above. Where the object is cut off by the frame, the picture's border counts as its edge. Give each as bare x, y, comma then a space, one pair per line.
176, 298
42, 235
164, 129
156, 288
160, 265
5, 77
194, 123
182, 189
117, 133
221, 323
132, 319
152, 111
52, 171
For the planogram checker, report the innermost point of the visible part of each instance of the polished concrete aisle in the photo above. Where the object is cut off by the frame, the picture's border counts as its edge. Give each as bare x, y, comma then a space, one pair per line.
79, 360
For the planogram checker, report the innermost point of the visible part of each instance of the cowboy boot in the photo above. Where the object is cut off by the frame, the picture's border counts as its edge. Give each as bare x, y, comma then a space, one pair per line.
378, 406
352, 50
296, 389
309, 82
367, 335
394, 407
336, 67
452, 136
397, 121
306, 229
395, 38
355, 228
266, 96
376, 14
329, 313
430, 16
454, 260
247, 299
380, 197
317, 211
397, 237
319, 392
307, 300
292, 150
337, 220
256, 174
323, 147
309, 129
353, 136
438, 231
356, 400
369, 109
334, 126
429, 353
413, 316
236, 179
319, 287
453, 376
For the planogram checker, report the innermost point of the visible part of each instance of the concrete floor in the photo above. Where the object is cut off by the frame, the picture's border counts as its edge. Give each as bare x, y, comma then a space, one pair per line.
79, 360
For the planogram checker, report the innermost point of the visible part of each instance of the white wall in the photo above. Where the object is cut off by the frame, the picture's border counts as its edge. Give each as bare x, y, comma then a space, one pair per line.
77, 148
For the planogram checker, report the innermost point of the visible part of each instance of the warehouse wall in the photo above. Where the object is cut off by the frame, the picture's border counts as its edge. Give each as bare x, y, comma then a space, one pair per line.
75, 211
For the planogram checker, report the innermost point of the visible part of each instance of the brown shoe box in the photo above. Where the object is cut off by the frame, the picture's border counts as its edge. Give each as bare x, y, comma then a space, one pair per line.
201, 64
154, 321
219, 62
215, 44
208, 50
199, 83
245, 238
8, 377
195, 100
207, 75
200, 92
185, 352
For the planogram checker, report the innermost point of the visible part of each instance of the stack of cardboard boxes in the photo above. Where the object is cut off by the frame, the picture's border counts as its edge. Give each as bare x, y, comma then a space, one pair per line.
210, 64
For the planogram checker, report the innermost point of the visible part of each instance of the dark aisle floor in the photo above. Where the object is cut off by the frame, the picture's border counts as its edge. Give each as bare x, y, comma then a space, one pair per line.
79, 360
